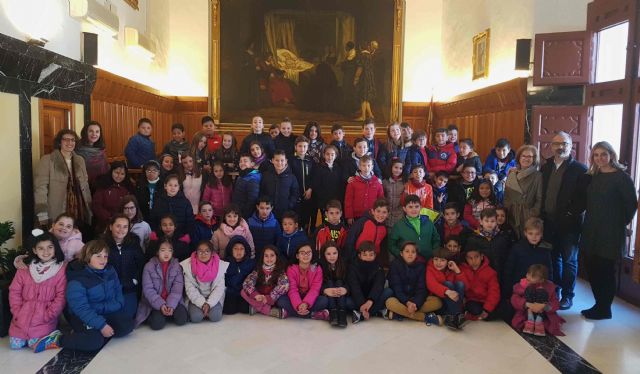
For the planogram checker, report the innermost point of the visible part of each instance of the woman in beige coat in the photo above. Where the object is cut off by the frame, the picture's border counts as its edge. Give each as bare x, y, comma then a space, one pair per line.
523, 189
61, 182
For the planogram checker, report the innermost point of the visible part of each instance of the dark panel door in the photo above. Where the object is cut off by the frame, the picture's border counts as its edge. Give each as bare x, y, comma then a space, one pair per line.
562, 58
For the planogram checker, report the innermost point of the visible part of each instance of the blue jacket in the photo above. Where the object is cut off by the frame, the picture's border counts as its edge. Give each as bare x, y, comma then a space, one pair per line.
287, 243
139, 150
237, 271
177, 205
414, 158
264, 232
246, 192
492, 163
91, 294
283, 190
385, 157
408, 282
201, 231
522, 255
128, 262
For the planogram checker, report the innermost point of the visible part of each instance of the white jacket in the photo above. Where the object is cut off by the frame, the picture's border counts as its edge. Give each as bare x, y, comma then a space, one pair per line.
198, 293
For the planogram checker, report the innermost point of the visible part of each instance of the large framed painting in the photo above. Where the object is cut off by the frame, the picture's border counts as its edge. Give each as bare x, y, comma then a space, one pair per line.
322, 60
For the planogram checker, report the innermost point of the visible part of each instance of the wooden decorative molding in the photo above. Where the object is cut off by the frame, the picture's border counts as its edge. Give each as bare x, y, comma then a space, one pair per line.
562, 58
604, 13
133, 4
500, 97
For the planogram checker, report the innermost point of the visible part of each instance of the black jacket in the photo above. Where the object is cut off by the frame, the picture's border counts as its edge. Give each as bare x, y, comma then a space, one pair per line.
456, 193
366, 281
303, 171
523, 254
177, 205
408, 282
128, 260
287, 144
569, 205
328, 184
496, 249
264, 139
282, 189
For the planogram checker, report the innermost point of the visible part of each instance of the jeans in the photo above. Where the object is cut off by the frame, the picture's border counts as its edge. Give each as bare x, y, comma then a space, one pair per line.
565, 261
285, 303
157, 320
86, 339
196, 315
450, 306
130, 304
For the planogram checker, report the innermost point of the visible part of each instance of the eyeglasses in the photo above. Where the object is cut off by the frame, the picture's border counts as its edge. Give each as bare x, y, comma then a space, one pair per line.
469, 172
560, 144
129, 208
305, 253
526, 156
152, 171
206, 252
69, 140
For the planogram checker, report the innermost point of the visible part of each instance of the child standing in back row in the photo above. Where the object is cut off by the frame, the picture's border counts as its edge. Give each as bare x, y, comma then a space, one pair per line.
362, 191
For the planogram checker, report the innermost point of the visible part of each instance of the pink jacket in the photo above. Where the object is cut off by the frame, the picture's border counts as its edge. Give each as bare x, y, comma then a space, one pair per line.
553, 321
224, 233
36, 306
218, 197
72, 245
314, 273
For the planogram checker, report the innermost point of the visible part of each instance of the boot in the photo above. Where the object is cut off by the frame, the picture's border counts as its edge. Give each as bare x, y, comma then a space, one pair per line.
342, 318
333, 317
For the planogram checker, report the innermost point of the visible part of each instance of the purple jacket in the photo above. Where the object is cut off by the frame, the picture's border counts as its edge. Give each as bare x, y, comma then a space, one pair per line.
152, 288
36, 306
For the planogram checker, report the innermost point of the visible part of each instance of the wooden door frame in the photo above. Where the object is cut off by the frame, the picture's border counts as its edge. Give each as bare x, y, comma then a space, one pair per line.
44, 103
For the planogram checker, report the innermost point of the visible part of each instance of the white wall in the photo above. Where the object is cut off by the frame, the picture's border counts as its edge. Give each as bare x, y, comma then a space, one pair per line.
11, 196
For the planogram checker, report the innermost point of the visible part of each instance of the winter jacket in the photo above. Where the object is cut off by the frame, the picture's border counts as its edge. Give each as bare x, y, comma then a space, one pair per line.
143, 232
237, 270
128, 262
106, 203
50, 185
328, 232
219, 197
201, 231
72, 245
385, 156
177, 205
91, 294
473, 159
36, 306
440, 198
492, 162
198, 293
280, 288
350, 167
181, 249
360, 196
246, 191
146, 197
415, 157
139, 150
460, 192
461, 230
568, 214
366, 228
302, 169
473, 209
314, 276
287, 243
366, 281
287, 144
423, 190
264, 140
344, 149
328, 184
152, 286
408, 281
436, 278
213, 143
522, 255
523, 201
552, 322
176, 149
264, 232
224, 233
483, 285
283, 190
393, 190
441, 158
496, 248
427, 240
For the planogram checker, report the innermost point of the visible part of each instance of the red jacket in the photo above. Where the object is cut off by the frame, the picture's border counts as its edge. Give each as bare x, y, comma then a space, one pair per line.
106, 201
483, 285
327, 232
360, 196
218, 197
365, 228
436, 278
214, 142
441, 158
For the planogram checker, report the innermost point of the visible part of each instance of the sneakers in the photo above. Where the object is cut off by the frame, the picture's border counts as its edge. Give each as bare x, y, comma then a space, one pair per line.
566, 303
538, 329
322, 315
279, 313
432, 319
342, 318
252, 311
388, 314
529, 327
48, 342
356, 317
451, 321
460, 320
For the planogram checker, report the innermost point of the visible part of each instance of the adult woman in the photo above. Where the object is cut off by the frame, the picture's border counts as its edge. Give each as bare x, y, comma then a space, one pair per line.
92, 149
611, 204
523, 189
61, 183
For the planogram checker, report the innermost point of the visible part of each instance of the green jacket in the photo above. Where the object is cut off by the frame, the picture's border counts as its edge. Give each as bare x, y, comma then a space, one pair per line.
403, 231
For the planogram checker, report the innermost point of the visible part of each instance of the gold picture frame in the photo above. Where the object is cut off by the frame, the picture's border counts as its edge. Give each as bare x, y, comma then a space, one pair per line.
480, 59
396, 66
133, 4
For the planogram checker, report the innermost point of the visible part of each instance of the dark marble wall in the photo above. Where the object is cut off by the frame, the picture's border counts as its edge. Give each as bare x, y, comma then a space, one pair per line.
30, 71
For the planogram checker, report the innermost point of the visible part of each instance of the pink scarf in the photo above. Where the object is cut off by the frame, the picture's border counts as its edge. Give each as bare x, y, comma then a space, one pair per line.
205, 272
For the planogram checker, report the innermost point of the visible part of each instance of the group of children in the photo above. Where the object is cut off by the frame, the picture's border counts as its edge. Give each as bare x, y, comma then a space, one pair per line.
252, 245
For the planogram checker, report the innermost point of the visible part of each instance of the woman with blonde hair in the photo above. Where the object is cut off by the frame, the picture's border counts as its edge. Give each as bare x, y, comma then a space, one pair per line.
610, 206
523, 189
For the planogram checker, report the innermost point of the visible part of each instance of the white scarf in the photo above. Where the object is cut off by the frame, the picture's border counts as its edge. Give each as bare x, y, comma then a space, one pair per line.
41, 271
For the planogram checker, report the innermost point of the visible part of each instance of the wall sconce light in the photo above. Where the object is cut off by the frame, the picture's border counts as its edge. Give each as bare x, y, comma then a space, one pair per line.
139, 43
104, 18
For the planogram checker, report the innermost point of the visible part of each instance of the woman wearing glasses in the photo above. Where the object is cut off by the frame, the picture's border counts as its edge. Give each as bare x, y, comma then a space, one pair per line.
61, 183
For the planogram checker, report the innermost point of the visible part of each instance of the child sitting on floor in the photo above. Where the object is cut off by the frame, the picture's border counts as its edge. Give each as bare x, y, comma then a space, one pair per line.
483, 291
446, 281
266, 284
366, 282
334, 285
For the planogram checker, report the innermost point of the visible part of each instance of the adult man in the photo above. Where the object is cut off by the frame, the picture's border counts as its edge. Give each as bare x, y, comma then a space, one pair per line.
562, 184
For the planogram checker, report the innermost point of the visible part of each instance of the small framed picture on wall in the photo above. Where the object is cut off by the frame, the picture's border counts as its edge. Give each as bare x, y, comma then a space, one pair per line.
480, 59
